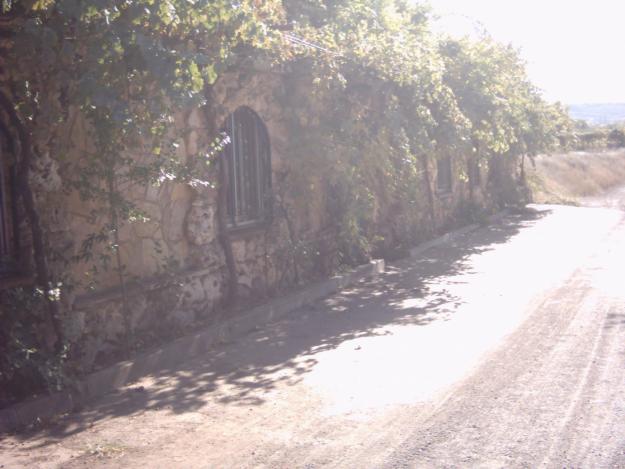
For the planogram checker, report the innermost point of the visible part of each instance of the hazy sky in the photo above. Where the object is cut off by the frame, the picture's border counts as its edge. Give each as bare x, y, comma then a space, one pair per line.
575, 50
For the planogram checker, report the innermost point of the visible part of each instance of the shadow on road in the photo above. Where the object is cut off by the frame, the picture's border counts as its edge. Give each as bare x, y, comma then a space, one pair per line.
615, 320
243, 373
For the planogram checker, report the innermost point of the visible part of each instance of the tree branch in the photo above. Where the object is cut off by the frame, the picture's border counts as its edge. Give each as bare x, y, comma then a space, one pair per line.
28, 200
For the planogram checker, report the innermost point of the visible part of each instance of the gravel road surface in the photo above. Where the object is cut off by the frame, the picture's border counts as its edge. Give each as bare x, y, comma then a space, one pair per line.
504, 348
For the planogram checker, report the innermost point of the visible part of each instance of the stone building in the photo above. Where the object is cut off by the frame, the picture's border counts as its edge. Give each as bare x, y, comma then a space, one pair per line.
182, 257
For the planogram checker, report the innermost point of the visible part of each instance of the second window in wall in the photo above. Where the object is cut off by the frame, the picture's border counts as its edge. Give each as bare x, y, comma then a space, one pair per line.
248, 169
443, 174
8, 236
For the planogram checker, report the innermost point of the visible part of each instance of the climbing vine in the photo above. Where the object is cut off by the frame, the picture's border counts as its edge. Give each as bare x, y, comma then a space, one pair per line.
376, 97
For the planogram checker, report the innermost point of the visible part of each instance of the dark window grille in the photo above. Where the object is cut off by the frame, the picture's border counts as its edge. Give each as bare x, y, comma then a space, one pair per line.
444, 174
8, 236
248, 168
476, 176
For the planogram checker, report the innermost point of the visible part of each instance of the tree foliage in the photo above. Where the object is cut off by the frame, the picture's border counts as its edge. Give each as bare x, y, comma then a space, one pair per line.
129, 67
388, 94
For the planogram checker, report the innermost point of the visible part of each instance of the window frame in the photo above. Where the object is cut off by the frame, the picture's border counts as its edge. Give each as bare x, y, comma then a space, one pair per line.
444, 175
247, 160
476, 172
9, 236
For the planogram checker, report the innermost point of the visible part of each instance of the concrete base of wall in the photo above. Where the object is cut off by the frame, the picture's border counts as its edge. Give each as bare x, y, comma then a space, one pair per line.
104, 381
97, 384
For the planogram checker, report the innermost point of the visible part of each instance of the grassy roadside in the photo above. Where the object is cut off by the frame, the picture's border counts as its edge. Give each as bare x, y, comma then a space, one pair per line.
563, 178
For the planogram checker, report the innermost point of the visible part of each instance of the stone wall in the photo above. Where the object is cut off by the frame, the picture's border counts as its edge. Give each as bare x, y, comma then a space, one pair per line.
175, 263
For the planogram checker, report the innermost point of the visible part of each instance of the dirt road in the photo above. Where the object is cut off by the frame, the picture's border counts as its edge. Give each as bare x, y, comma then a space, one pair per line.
505, 348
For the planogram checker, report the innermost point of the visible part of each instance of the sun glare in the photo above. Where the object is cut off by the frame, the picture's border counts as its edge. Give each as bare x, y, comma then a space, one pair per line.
573, 49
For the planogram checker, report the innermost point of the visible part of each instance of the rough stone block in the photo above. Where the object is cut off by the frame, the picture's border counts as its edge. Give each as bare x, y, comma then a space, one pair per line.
182, 318
201, 224
193, 292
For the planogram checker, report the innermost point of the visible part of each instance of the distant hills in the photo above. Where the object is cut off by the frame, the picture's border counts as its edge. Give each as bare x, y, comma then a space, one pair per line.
598, 114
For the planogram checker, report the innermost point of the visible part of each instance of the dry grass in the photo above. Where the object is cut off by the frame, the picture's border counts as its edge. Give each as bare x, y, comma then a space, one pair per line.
563, 178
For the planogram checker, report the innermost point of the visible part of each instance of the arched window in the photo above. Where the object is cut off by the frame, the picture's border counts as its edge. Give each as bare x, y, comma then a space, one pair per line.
248, 169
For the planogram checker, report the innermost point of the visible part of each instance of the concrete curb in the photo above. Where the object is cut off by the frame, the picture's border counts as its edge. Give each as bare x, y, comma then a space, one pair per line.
421, 248
453, 235
108, 379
